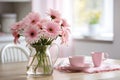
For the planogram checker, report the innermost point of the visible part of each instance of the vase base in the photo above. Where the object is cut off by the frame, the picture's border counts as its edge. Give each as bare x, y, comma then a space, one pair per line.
38, 75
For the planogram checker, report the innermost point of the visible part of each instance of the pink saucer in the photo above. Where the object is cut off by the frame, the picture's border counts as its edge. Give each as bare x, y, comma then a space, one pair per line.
80, 67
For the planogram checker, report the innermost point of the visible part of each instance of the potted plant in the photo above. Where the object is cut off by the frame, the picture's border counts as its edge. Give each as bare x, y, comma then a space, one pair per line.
93, 20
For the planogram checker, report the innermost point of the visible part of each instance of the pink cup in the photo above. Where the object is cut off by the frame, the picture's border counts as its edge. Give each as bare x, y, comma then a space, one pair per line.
76, 61
98, 58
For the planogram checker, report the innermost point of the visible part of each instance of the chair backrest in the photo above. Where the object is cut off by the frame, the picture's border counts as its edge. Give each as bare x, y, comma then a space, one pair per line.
14, 53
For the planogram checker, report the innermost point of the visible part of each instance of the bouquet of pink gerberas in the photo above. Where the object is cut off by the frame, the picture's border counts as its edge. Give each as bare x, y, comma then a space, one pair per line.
41, 31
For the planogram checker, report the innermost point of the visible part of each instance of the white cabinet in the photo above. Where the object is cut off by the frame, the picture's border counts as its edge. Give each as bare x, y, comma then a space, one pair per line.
15, 0
20, 7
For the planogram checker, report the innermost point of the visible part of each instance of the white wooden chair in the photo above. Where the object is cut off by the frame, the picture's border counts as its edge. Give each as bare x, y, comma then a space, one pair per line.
14, 53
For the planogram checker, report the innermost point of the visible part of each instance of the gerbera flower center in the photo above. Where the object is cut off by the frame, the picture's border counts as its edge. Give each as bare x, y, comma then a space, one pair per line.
32, 34
18, 36
18, 25
33, 21
53, 17
62, 25
40, 26
50, 29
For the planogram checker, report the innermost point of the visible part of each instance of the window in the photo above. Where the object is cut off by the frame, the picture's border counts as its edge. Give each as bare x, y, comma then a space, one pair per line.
93, 18
82, 14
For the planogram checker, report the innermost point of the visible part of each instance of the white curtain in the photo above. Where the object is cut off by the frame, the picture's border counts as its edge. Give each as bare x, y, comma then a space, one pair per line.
64, 7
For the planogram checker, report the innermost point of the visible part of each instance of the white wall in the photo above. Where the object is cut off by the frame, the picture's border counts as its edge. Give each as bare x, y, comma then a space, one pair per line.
83, 47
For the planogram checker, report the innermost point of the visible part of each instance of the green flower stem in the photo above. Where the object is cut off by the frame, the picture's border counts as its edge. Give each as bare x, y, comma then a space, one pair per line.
39, 61
46, 65
36, 66
32, 61
43, 60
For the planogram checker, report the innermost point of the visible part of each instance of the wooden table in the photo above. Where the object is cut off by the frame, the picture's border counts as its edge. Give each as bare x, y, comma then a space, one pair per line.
17, 71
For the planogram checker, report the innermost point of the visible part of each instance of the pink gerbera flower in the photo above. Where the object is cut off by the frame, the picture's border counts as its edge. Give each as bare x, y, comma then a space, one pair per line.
44, 21
58, 20
16, 37
65, 35
41, 23
64, 23
32, 18
40, 26
32, 34
53, 29
54, 14
17, 26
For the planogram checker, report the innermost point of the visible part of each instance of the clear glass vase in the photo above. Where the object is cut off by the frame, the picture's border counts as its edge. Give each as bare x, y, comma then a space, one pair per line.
41, 62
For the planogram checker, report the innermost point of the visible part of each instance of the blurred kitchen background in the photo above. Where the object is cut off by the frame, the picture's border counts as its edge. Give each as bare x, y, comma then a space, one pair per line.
95, 24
